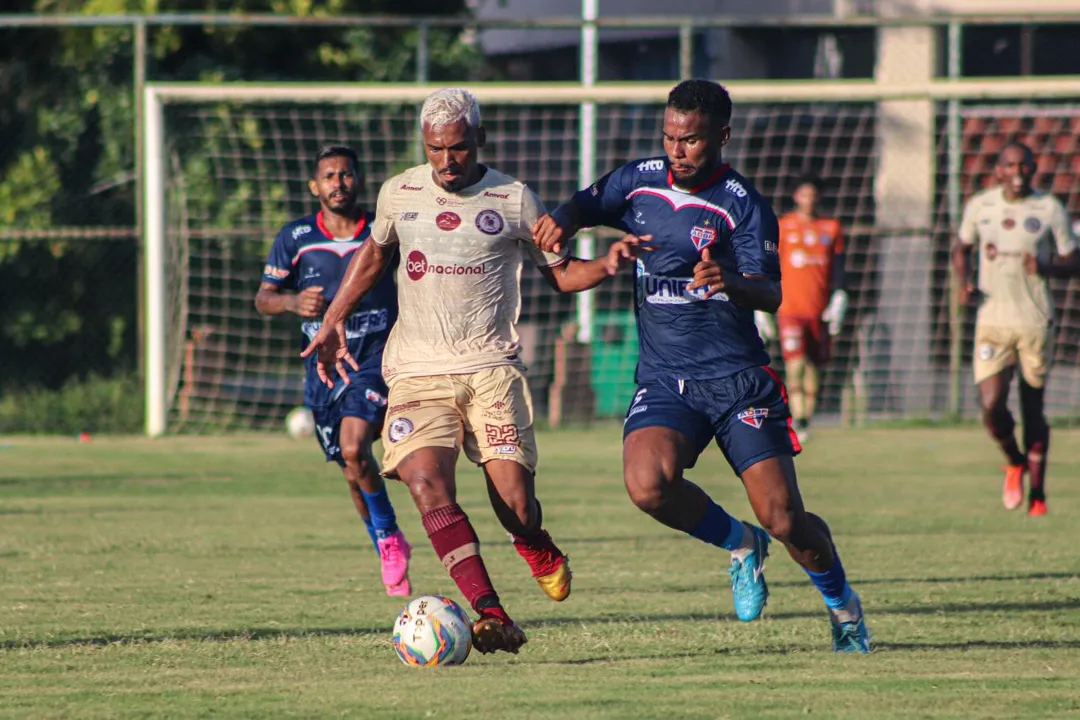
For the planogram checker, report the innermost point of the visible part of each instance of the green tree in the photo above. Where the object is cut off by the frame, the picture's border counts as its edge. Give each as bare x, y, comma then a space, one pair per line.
67, 308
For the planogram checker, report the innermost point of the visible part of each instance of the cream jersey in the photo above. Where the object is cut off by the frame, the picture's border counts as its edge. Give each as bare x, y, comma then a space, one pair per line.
1036, 225
459, 280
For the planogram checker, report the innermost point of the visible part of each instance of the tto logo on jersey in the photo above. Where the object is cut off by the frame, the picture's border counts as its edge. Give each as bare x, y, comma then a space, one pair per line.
417, 266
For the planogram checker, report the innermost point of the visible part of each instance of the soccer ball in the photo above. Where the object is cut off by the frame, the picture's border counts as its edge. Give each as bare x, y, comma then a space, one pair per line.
300, 423
432, 630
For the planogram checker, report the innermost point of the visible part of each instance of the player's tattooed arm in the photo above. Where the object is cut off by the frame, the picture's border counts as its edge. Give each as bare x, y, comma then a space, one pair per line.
755, 292
576, 275
270, 300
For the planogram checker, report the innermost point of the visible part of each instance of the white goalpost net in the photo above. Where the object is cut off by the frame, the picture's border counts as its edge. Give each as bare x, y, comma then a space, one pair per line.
228, 165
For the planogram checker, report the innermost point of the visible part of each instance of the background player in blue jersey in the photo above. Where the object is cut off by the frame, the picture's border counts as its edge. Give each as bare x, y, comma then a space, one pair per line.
302, 275
702, 372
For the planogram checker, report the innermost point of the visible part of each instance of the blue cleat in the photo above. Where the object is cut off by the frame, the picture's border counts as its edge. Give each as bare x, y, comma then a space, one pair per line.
851, 635
748, 578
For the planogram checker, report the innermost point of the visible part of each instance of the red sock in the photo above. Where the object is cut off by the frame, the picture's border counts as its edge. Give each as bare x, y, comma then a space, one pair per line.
456, 544
539, 551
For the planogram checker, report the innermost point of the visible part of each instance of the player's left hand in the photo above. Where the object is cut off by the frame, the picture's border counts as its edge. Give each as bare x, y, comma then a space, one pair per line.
625, 251
332, 346
707, 274
1031, 263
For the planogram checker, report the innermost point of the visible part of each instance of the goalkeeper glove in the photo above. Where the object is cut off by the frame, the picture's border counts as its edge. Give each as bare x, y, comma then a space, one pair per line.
765, 326
834, 313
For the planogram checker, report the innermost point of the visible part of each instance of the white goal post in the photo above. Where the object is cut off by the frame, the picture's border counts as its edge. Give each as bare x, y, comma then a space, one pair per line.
166, 328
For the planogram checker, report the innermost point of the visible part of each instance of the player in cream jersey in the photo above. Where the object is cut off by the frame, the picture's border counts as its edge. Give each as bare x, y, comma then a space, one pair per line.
463, 254
452, 361
1023, 237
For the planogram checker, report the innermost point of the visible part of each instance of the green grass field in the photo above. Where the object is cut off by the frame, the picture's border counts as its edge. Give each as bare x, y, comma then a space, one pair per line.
204, 576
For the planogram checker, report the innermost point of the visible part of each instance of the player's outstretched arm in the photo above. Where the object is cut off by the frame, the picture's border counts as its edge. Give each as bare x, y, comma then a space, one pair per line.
577, 275
363, 273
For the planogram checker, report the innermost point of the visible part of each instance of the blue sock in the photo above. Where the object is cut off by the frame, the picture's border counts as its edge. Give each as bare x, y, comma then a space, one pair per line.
383, 519
832, 583
371, 531
718, 528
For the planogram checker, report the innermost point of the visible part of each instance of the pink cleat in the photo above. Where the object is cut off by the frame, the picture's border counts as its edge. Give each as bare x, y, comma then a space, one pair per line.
402, 590
394, 554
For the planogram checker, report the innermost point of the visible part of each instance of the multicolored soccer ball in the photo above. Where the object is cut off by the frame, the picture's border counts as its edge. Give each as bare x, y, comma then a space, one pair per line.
300, 423
432, 630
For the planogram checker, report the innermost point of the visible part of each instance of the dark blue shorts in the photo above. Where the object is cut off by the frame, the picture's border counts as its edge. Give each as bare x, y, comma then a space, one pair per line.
364, 398
747, 413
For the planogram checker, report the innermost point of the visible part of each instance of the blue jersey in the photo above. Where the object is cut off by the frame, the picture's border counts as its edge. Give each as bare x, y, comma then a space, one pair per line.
681, 335
304, 255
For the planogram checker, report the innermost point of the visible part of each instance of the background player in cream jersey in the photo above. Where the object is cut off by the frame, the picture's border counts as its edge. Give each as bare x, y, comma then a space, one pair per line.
452, 360
1023, 238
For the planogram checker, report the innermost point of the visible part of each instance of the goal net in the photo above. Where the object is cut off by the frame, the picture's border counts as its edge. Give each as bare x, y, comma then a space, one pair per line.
231, 167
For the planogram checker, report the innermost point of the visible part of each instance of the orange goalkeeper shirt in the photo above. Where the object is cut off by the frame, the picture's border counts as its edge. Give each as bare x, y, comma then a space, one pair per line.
807, 249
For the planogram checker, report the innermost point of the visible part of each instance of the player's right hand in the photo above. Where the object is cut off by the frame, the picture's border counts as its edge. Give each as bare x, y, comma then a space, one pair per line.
625, 251
333, 352
551, 235
309, 302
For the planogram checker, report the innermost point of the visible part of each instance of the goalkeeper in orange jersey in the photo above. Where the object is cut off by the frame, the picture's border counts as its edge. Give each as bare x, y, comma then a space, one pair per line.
814, 298
1022, 237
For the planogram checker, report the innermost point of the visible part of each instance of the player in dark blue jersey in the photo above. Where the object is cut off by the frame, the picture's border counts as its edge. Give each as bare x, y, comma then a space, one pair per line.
302, 275
703, 371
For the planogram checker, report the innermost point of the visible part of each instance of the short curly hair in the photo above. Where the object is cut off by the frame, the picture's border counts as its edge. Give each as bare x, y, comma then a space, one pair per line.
705, 96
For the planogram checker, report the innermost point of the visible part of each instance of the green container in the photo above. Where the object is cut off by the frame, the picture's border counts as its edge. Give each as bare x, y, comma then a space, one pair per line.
614, 358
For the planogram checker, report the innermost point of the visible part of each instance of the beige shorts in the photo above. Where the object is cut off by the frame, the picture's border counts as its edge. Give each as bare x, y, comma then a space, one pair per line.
488, 412
997, 348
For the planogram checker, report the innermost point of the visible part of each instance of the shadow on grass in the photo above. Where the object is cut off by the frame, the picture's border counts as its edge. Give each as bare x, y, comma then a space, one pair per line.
193, 634
860, 582
209, 635
882, 647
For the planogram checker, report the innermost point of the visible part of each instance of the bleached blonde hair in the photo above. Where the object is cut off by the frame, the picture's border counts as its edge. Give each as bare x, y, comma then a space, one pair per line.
449, 105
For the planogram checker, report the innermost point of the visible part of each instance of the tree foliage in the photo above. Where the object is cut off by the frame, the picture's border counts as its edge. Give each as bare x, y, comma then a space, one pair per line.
67, 117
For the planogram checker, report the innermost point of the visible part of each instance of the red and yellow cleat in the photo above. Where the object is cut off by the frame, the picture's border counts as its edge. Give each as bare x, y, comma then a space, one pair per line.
1036, 507
557, 584
490, 634
1012, 493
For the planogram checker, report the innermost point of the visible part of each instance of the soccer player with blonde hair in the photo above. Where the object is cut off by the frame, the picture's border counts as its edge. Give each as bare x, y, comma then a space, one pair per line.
453, 359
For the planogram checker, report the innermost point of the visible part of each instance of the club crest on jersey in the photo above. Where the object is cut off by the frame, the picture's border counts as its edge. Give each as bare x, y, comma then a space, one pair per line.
399, 428
754, 417
489, 222
447, 221
702, 236
1032, 225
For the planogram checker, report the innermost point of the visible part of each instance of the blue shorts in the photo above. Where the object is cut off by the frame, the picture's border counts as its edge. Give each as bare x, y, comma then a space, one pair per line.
747, 413
364, 398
